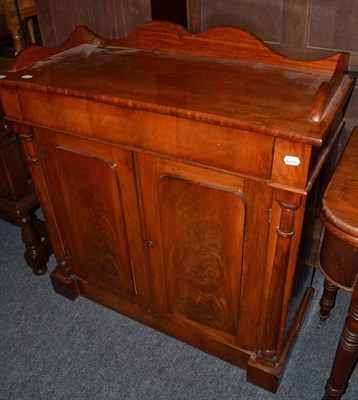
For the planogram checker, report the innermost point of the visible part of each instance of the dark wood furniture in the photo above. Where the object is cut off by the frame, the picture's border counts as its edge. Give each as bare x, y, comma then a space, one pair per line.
339, 261
285, 24
18, 199
17, 11
173, 171
109, 18
173, 11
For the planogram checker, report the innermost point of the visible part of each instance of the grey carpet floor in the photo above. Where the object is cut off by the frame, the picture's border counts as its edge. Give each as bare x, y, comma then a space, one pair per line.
52, 349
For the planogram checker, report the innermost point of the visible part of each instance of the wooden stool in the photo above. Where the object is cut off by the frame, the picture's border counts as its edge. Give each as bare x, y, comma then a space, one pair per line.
339, 261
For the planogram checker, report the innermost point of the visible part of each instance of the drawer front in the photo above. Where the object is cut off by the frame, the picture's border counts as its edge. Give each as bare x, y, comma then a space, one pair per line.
228, 149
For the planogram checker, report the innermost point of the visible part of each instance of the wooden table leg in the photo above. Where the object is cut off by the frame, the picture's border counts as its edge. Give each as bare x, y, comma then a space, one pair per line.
37, 253
16, 37
346, 353
328, 300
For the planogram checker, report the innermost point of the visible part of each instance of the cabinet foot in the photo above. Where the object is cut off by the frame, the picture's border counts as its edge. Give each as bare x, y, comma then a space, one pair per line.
63, 284
267, 373
263, 376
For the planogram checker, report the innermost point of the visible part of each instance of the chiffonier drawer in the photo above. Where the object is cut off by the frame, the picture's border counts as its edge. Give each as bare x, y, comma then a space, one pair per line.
216, 146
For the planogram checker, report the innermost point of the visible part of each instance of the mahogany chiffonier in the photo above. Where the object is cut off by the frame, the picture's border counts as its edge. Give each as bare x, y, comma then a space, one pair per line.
173, 171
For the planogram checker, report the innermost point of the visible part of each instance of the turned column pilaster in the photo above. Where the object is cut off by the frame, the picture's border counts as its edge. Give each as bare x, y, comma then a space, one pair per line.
278, 266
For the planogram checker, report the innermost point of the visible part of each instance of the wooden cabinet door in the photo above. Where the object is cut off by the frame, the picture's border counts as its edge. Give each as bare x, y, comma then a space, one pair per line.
195, 223
93, 194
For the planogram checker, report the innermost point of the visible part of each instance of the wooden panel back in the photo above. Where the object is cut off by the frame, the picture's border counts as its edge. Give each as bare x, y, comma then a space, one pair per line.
218, 42
327, 14
333, 25
297, 25
260, 16
109, 18
326, 24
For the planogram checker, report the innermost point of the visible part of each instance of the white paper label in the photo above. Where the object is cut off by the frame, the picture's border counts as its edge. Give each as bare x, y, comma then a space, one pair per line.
292, 160
3, 76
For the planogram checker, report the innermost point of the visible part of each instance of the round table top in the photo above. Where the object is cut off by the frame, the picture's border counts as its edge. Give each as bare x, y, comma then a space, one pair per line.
340, 201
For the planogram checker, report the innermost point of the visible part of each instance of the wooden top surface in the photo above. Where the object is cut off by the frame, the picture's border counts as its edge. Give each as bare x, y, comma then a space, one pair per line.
267, 98
340, 202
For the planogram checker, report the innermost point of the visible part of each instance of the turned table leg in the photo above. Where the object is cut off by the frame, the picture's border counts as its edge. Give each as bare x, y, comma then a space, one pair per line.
30, 27
16, 37
346, 353
328, 300
36, 255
